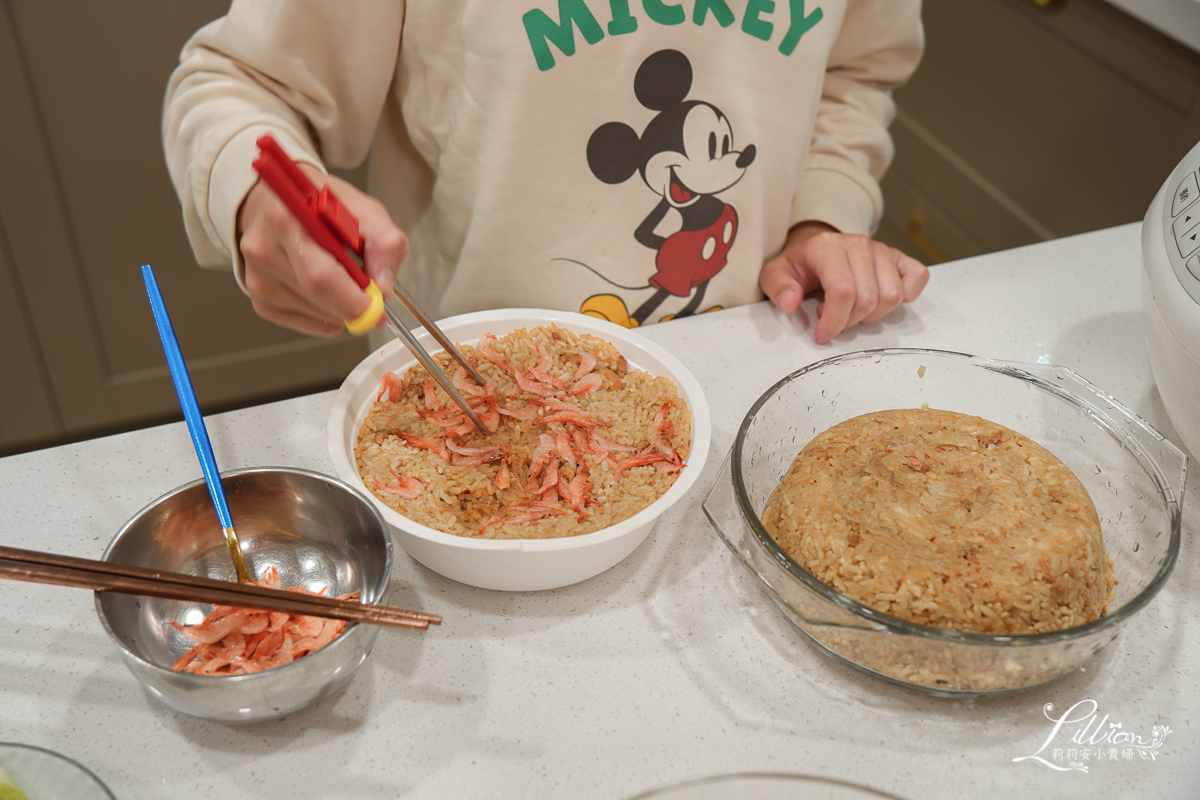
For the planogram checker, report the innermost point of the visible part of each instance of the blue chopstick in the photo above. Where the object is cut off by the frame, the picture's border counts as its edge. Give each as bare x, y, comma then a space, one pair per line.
187, 398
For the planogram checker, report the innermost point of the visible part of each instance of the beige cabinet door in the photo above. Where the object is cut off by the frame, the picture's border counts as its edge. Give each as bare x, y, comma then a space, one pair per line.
85, 201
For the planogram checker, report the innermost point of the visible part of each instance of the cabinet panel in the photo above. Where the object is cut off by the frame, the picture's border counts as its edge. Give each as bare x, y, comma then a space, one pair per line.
44, 260
27, 410
918, 224
1025, 123
930, 184
103, 128
86, 199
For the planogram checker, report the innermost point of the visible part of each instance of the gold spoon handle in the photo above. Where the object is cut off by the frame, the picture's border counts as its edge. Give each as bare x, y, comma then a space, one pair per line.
235, 552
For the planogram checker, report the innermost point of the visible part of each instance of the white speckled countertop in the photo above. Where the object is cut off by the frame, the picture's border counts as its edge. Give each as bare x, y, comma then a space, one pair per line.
668, 666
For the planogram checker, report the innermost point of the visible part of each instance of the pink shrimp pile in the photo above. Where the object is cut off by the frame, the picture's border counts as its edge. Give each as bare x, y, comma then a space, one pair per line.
544, 446
238, 641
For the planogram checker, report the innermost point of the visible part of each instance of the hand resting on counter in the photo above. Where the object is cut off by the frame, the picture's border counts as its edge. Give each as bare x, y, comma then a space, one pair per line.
863, 280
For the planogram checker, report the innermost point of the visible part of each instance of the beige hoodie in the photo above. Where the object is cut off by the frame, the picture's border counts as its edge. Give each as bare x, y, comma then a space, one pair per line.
632, 160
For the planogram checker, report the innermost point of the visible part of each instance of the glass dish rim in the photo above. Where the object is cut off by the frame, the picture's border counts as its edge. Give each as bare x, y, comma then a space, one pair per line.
736, 775
38, 748
896, 625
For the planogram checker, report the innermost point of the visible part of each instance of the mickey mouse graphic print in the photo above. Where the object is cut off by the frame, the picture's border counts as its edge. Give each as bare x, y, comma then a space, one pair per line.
686, 156
636, 160
633, 161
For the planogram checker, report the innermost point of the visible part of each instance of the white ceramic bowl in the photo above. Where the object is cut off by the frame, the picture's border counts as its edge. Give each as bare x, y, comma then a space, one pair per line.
515, 564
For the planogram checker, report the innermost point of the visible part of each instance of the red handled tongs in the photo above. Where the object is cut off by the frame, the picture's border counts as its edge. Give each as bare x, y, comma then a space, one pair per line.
333, 227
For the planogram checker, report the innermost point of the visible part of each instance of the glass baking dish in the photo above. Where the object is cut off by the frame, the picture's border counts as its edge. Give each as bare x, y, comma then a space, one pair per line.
1134, 475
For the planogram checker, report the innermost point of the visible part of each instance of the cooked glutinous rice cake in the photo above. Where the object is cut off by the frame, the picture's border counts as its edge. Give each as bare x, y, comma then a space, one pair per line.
946, 520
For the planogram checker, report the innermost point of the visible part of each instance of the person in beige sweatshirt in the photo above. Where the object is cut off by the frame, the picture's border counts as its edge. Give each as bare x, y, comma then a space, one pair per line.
632, 161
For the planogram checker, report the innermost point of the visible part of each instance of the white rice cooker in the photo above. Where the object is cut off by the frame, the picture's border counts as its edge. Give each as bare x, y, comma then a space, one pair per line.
1171, 296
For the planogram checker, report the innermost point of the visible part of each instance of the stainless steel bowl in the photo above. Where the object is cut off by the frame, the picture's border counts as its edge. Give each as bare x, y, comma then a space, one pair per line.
1134, 475
315, 530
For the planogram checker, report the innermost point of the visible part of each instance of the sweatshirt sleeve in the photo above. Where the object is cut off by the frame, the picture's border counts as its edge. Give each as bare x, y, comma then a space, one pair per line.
878, 48
313, 73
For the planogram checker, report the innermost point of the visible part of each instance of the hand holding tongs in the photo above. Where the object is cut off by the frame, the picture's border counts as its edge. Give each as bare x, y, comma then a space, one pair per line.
334, 228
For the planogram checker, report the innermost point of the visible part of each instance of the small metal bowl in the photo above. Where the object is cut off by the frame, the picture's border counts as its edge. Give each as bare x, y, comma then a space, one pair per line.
1134, 476
315, 530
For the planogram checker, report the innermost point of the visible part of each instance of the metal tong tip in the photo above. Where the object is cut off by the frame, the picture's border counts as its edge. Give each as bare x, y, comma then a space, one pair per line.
431, 366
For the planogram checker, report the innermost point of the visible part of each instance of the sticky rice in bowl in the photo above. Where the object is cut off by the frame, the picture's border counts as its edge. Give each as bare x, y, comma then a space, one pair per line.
532, 533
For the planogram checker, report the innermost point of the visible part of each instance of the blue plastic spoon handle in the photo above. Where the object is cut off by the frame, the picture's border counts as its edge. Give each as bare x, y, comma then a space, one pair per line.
187, 398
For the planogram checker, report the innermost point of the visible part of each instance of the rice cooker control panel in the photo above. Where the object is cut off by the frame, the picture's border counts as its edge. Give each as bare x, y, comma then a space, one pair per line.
1181, 222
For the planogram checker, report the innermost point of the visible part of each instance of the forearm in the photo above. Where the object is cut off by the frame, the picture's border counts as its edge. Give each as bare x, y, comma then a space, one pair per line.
315, 74
877, 50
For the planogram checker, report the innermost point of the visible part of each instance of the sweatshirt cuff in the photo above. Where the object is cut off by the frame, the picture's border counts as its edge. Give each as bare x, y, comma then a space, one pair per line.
233, 177
837, 199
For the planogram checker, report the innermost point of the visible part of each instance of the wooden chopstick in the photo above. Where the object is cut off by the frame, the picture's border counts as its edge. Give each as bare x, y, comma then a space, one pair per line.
107, 576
